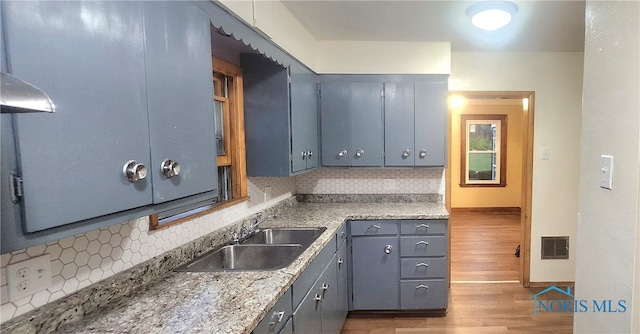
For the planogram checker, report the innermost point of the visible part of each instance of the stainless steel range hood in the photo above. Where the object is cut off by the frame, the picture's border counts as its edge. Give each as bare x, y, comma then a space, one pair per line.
17, 96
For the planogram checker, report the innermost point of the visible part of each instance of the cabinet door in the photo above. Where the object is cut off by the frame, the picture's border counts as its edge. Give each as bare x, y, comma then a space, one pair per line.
307, 317
304, 122
375, 273
335, 120
366, 124
328, 284
399, 124
179, 92
89, 58
430, 123
343, 281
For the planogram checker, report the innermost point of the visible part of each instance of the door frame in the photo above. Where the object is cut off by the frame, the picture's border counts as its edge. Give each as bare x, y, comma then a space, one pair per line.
527, 170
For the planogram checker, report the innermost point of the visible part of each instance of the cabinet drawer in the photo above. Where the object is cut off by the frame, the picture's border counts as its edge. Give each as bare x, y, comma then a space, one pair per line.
374, 227
423, 246
308, 277
423, 268
277, 316
423, 227
426, 294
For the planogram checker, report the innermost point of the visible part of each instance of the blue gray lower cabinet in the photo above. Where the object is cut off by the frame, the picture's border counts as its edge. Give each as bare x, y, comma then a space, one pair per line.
399, 264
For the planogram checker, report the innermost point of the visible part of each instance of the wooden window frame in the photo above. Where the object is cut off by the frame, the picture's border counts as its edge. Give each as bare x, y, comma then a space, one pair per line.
236, 144
464, 118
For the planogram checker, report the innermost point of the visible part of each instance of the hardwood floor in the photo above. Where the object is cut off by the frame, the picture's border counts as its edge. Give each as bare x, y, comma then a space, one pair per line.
482, 249
474, 308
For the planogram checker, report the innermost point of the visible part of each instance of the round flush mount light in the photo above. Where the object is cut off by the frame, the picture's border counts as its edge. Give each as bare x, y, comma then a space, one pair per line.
491, 15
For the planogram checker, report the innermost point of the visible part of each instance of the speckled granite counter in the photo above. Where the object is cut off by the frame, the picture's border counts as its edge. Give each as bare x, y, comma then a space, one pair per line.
235, 302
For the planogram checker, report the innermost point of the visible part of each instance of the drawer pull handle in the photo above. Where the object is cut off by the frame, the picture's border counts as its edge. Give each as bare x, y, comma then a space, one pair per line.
325, 286
318, 297
426, 243
424, 226
276, 318
421, 265
422, 286
340, 261
377, 227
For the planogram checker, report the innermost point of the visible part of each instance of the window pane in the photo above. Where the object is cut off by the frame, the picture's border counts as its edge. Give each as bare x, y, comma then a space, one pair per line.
482, 137
220, 127
482, 166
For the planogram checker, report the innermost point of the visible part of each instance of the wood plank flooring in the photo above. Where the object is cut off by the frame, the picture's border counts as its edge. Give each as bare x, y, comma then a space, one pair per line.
482, 249
474, 308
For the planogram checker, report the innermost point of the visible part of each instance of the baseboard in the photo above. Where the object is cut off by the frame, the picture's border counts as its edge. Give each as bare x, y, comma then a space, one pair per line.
548, 284
486, 210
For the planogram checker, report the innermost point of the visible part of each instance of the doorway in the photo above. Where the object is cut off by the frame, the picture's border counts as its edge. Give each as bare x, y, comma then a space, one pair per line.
494, 216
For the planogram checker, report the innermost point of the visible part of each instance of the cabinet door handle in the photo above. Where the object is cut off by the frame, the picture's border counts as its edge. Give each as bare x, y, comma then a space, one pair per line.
276, 318
359, 153
304, 155
310, 154
340, 261
422, 242
134, 171
422, 264
422, 286
170, 168
325, 286
317, 297
406, 153
422, 154
342, 153
388, 249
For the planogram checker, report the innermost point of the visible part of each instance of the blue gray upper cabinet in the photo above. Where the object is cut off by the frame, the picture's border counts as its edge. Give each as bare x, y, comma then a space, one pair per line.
431, 123
351, 123
179, 95
89, 57
132, 86
383, 120
281, 122
399, 124
415, 123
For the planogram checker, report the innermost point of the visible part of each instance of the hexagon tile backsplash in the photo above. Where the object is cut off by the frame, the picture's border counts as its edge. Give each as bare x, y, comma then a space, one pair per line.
84, 259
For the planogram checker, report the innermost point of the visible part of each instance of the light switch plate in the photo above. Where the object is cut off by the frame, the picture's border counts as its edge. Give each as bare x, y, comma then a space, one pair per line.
606, 171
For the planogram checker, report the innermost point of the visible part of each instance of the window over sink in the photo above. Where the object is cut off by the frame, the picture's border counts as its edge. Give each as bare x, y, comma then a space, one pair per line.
230, 142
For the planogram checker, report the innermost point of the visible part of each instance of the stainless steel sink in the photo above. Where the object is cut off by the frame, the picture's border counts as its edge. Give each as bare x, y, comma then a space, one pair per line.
246, 257
292, 235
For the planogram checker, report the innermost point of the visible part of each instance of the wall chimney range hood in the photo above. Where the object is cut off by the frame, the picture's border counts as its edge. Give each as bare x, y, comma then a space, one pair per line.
17, 96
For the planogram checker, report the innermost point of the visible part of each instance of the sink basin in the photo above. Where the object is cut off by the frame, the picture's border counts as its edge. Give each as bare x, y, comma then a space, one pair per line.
293, 235
246, 257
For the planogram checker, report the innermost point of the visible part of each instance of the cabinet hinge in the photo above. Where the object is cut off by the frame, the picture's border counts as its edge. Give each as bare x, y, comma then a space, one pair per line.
382, 93
289, 78
15, 184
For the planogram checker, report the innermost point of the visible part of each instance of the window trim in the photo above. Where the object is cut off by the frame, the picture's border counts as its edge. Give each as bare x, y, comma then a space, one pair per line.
237, 142
464, 119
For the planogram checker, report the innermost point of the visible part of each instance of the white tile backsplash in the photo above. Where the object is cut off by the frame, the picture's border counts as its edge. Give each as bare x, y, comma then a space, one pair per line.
84, 259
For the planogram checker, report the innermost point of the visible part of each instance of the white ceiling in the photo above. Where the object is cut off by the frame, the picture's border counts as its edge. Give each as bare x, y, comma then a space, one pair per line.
538, 26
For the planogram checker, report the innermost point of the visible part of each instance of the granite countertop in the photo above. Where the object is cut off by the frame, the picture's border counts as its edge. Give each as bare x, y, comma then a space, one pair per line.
235, 302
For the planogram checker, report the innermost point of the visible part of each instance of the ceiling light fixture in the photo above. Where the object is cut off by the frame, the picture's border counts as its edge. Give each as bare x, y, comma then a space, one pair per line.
491, 15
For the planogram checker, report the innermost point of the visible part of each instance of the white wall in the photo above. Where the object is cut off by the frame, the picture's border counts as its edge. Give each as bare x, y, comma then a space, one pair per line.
556, 79
366, 57
609, 222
